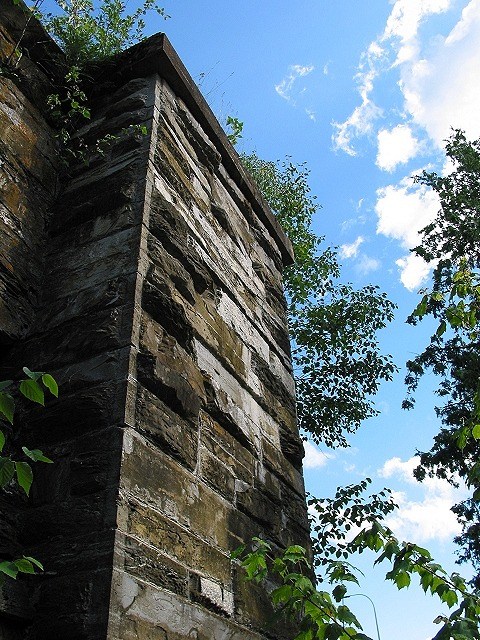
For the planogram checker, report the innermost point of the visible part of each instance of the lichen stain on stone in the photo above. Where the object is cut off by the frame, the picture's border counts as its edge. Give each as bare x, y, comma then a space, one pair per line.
129, 590
14, 128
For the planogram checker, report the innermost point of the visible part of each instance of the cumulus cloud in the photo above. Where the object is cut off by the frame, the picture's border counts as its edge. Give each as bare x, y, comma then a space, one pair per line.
351, 250
395, 146
314, 458
428, 518
440, 86
437, 78
285, 87
413, 271
403, 210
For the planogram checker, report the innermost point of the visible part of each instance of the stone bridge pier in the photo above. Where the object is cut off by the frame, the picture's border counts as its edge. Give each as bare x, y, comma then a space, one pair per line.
149, 283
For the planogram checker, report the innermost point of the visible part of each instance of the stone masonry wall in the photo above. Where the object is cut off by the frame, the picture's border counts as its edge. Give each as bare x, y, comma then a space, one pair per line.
211, 456
161, 313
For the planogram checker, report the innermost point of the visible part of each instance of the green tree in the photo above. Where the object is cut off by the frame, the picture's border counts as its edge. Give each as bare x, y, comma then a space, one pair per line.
333, 327
451, 243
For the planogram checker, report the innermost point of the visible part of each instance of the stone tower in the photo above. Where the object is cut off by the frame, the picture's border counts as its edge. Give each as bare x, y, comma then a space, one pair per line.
149, 284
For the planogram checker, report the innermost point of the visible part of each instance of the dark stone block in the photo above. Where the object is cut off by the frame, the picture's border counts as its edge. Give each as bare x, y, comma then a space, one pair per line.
157, 301
102, 192
71, 518
151, 564
111, 293
227, 449
74, 606
167, 225
182, 545
169, 387
214, 408
81, 338
292, 447
281, 467
169, 270
164, 428
261, 508
81, 408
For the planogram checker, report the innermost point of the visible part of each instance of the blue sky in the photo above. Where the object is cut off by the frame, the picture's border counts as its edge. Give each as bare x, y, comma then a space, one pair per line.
364, 91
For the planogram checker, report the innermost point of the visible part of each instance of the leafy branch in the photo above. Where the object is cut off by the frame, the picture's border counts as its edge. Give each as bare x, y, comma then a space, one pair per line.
12, 470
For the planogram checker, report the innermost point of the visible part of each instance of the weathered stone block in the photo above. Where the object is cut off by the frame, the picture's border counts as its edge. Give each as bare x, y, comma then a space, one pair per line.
164, 428
182, 545
217, 475
224, 446
150, 564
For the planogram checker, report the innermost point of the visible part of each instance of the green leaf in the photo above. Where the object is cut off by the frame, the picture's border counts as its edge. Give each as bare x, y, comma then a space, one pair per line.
282, 594
7, 406
476, 432
24, 565
7, 471
345, 615
442, 327
24, 475
450, 598
402, 579
305, 635
36, 455
2, 441
421, 308
34, 561
339, 592
9, 569
5, 384
333, 632
32, 391
51, 384
33, 375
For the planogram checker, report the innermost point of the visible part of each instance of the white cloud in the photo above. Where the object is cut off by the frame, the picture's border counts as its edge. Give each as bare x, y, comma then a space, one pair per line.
351, 250
395, 147
406, 16
437, 76
311, 114
326, 68
440, 87
414, 271
359, 123
428, 518
285, 87
352, 222
314, 458
366, 264
403, 210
